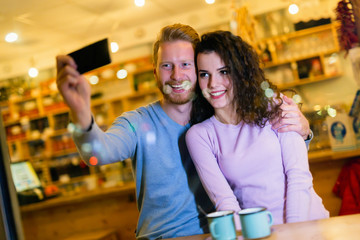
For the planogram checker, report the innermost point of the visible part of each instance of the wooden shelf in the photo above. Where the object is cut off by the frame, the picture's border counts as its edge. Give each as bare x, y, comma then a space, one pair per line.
293, 60
97, 194
300, 33
304, 81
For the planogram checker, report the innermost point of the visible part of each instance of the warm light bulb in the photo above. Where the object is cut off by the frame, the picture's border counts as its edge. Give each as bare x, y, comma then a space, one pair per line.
114, 47
94, 80
293, 9
139, 3
121, 74
33, 72
210, 1
11, 37
331, 112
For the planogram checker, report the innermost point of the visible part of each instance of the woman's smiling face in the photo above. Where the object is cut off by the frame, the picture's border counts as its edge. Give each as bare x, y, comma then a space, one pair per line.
214, 81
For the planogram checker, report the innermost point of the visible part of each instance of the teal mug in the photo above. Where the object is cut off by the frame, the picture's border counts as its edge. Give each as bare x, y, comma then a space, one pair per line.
222, 225
255, 222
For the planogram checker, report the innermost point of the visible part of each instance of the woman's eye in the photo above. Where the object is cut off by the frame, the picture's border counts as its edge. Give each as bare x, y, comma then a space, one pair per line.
224, 72
203, 75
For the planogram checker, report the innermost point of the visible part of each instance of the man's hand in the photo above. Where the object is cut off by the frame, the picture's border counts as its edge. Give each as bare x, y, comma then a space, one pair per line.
75, 90
292, 119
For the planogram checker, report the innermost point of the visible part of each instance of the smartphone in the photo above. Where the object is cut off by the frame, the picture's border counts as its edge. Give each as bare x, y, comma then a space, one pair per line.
92, 56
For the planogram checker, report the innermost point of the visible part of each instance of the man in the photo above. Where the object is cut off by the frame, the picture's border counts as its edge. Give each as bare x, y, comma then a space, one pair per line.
168, 191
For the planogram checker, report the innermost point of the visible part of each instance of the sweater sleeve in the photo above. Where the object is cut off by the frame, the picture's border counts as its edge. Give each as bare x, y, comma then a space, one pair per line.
201, 151
116, 144
298, 177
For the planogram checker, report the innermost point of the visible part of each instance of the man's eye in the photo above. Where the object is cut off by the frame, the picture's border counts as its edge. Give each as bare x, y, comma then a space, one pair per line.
165, 65
186, 64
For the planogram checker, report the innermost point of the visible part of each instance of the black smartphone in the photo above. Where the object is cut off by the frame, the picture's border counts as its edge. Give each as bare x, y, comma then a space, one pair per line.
92, 56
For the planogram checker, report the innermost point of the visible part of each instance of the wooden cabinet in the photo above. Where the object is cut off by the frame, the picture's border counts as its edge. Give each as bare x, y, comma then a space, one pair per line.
63, 217
301, 57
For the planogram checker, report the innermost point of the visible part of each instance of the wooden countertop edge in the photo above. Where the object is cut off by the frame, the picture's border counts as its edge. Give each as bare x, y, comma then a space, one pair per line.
78, 198
329, 155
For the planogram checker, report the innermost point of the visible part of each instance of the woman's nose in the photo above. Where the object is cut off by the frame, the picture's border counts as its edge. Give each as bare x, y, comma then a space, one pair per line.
212, 81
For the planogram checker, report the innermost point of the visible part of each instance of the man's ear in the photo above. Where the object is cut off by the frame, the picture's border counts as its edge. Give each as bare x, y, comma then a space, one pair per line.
154, 72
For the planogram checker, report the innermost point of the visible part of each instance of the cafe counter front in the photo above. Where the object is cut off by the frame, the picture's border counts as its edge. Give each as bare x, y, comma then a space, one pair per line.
89, 212
334, 228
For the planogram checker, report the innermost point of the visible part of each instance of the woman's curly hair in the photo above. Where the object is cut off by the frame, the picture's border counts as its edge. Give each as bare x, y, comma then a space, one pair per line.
252, 105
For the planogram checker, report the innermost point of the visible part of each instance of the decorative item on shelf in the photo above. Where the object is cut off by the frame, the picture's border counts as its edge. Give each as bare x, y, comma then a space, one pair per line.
318, 124
355, 114
14, 132
354, 55
6, 115
280, 75
62, 143
61, 121
273, 24
39, 125
303, 68
48, 86
4, 93
309, 68
332, 65
348, 36
265, 54
341, 133
245, 25
66, 167
316, 68
348, 13
36, 148
144, 81
53, 102
312, 23
28, 108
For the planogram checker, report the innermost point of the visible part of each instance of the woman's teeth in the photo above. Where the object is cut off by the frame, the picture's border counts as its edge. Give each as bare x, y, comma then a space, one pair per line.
215, 94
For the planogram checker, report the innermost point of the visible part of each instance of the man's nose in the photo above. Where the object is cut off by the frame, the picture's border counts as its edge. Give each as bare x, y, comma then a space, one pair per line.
176, 73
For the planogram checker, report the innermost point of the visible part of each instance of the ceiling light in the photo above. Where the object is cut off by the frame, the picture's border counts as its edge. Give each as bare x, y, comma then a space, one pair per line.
210, 1
94, 80
293, 9
33, 72
121, 74
114, 47
11, 37
139, 3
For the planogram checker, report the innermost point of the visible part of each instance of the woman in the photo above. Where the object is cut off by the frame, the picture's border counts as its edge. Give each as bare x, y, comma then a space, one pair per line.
241, 161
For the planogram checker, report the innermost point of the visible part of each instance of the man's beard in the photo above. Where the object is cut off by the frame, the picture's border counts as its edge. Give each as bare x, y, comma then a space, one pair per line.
177, 98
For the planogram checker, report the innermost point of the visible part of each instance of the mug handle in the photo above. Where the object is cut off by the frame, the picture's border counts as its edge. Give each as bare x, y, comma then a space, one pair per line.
270, 218
212, 229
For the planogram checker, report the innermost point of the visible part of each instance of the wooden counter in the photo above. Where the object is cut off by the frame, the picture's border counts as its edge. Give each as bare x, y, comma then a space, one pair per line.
329, 155
61, 217
115, 208
335, 228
